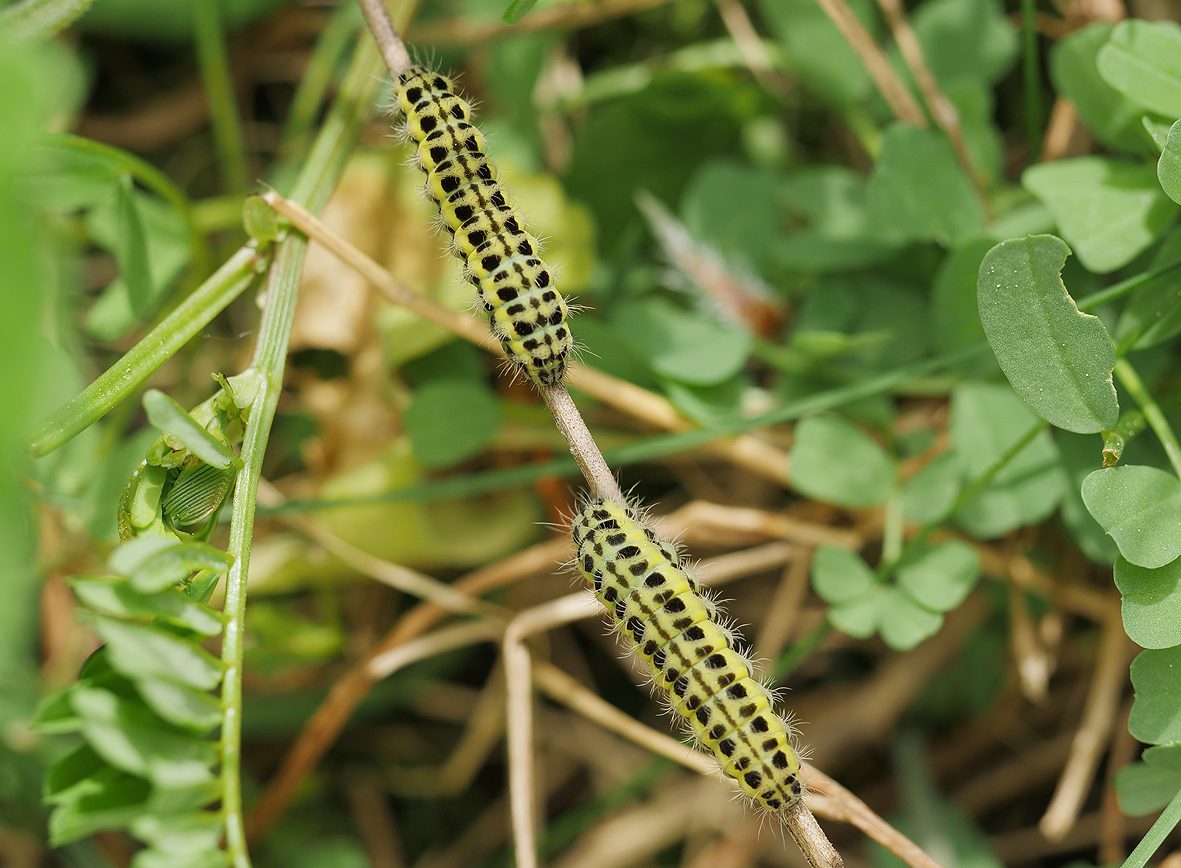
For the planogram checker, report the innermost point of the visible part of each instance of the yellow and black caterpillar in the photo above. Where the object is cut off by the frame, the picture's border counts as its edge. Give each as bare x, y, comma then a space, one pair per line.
653, 600
528, 313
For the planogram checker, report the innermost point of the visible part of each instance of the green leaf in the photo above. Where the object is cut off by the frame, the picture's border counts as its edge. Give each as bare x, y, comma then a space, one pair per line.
986, 420
682, 345
857, 617
1151, 603
1154, 311
903, 623
1142, 789
114, 597
840, 575
138, 651
183, 834
941, 577
1140, 508
171, 418
735, 209
517, 10
181, 706
1168, 168
1142, 60
1156, 711
929, 494
114, 800
919, 190
132, 249
1157, 131
136, 742
450, 420
1114, 120
155, 563
73, 775
835, 461
1106, 210
1056, 358
1081, 456
965, 39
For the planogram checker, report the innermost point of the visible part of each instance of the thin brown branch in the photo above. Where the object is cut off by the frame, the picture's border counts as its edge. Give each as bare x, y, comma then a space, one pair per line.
744, 451
1103, 702
456, 31
582, 445
902, 103
393, 50
942, 108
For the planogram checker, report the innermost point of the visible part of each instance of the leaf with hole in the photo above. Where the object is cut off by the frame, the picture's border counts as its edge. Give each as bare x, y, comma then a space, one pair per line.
1056, 358
1140, 508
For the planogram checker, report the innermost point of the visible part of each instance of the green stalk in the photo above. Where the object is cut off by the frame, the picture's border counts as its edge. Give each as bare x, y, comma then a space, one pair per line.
37, 19
982, 480
338, 34
1156, 835
1131, 284
1152, 412
155, 348
1032, 77
315, 183
214, 64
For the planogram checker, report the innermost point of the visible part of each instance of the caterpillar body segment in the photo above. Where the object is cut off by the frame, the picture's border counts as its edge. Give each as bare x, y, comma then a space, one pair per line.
709, 683
502, 259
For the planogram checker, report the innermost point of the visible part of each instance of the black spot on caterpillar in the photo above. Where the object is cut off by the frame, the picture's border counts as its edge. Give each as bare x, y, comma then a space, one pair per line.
528, 315
658, 606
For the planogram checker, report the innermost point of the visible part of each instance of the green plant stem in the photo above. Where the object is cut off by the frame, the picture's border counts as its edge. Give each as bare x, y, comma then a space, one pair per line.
36, 19
1156, 835
1032, 76
1131, 381
313, 186
150, 177
1131, 284
125, 376
214, 64
892, 534
982, 480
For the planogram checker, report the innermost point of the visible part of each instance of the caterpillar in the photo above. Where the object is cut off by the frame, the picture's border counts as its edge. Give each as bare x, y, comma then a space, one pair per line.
654, 602
501, 259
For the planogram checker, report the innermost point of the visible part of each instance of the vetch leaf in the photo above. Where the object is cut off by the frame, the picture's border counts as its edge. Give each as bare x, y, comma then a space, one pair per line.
835, 461
134, 741
114, 801
919, 190
941, 577
132, 249
1140, 508
1151, 603
1142, 60
1156, 711
1168, 167
114, 597
1106, 210
171, 418
155, 563
450, 420
1056, 358
140, 651
179, 705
